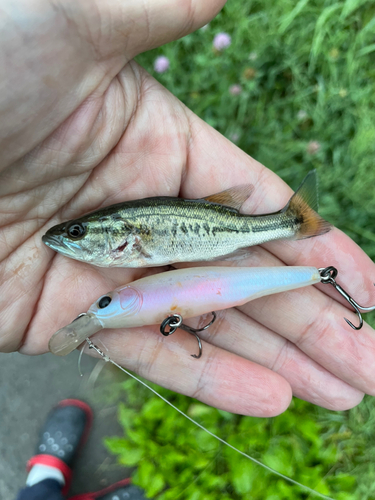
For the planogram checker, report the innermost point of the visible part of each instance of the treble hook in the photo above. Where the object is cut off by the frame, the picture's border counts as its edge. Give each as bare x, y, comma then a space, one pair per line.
328, 275
175, 321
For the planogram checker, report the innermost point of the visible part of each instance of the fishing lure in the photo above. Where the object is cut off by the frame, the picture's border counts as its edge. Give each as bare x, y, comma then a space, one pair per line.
167, 298
164, 230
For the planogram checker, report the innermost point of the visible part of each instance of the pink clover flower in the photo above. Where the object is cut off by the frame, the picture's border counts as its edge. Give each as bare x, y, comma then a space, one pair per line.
161, 64
222, 41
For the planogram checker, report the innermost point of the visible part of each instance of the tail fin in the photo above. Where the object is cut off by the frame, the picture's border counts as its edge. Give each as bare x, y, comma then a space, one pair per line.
303, 206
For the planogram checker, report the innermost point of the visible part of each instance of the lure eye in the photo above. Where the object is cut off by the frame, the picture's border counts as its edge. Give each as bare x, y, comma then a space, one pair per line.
104, 302
76, 230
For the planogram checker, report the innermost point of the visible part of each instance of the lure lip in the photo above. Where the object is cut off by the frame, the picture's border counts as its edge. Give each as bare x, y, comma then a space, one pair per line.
68, 338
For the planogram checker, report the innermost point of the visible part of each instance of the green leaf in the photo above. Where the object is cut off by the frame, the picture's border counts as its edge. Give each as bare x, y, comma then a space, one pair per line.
197, 410
243, 476
157, 484
116, 445
131, 456
126, 416
154, 408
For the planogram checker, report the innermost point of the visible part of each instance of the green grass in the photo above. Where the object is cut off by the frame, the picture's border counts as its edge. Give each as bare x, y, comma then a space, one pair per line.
307, 72
331, 452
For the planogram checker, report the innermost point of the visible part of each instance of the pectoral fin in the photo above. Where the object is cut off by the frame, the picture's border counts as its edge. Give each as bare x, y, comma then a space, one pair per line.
138, 247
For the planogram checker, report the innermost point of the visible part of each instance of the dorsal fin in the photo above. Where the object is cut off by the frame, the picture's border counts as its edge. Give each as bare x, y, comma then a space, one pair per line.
233, 197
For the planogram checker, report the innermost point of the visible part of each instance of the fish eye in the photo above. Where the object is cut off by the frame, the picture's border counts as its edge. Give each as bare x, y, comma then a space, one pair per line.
76, 230
104, 302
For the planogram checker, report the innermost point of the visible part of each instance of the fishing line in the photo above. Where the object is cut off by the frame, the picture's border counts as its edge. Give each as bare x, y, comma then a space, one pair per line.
80, 360
252, 459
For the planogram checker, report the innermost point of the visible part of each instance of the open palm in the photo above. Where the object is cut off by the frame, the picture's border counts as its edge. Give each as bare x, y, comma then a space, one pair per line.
95, 129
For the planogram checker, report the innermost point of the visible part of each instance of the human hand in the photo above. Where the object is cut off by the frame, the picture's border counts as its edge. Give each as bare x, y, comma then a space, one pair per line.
85, 127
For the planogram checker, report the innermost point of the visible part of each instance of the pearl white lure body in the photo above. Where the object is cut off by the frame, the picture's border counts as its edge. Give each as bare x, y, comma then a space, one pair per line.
188, 292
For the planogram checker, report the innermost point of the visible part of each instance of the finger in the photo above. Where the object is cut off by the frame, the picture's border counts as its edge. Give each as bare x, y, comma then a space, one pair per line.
21, 283
219, 378
140, 26
91, 42
315, 323
236, 332
356, 272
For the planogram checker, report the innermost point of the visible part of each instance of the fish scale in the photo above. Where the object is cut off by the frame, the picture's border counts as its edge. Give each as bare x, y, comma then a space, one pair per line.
164, 230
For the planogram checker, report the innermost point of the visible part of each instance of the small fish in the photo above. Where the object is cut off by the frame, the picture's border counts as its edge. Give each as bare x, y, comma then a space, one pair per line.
165, 230
188, 292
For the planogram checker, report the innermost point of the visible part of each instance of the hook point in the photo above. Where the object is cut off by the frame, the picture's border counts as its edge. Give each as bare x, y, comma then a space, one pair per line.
353, 326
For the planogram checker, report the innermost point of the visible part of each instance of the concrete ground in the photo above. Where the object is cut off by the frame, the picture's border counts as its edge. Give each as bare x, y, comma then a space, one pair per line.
30, 387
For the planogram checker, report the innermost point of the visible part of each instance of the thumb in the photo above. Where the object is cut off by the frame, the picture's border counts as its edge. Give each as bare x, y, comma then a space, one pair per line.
138, 26
56, 54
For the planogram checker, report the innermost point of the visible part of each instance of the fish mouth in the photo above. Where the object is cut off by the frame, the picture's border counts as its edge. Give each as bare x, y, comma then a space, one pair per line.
58, 244
47, 239
52, 241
